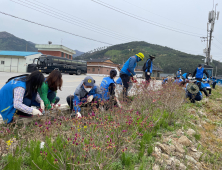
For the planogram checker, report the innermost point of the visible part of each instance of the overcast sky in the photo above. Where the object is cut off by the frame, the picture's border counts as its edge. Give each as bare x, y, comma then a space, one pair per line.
184, 16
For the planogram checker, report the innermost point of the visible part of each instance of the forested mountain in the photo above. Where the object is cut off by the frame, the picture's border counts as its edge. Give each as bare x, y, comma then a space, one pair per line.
167, 58
9, 42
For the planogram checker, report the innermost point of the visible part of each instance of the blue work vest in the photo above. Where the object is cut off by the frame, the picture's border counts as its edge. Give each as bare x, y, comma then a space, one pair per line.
151, 67
126, 66
178, 74
105, 87
119, 81
184, 75
6, 100
199, 73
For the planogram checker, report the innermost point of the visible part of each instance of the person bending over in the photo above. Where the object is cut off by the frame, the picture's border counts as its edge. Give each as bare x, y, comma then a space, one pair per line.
199, 73
49, 88
87, 92
19, 94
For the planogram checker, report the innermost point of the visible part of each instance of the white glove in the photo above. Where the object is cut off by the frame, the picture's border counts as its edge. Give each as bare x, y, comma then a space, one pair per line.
194, 77
134, 77
207, 79
148, 73
36, 112
90, 98
42, 105
78, 115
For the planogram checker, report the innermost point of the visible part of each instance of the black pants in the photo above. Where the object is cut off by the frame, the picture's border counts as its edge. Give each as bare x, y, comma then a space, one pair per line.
125, 80
214, 84
70, 98
199, 79
148, 77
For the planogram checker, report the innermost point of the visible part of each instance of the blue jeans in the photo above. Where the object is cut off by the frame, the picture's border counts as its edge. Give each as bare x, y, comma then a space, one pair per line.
28, 102
51, 96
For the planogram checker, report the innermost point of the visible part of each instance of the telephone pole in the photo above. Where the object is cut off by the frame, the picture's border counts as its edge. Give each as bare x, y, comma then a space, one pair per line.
212, 17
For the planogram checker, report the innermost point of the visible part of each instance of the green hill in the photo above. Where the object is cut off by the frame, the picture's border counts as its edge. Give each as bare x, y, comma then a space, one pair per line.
9, 42
167, 58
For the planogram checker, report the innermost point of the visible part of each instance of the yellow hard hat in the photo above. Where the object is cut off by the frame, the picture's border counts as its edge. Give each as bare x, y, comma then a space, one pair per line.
140, 55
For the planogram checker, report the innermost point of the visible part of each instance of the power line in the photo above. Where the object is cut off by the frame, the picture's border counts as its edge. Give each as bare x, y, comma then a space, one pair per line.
82, 21
54, 28
61, 18
142, 19
159, 15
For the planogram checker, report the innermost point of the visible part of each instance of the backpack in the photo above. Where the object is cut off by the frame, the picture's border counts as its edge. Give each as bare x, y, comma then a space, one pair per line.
144, 66
23, 75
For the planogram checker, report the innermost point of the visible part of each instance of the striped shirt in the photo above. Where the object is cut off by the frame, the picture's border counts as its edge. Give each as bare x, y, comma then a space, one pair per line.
19, 93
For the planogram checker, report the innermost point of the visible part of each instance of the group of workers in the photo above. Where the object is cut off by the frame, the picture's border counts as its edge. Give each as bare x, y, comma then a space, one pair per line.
194, 84
22, 92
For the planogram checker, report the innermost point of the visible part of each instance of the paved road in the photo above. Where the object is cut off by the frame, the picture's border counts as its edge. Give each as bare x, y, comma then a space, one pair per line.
70, 82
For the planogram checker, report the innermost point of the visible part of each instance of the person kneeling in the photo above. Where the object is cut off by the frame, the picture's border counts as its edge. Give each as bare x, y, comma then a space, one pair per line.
108, 89
19, 94
48, 89
87, 92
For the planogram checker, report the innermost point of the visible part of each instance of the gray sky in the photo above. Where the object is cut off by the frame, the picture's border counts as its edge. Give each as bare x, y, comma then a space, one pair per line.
188, 15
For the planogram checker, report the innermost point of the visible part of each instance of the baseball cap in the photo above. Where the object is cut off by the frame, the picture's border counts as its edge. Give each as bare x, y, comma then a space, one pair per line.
89, 81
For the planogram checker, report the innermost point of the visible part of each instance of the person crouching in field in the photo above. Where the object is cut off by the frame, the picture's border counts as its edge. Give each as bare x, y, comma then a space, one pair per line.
87, 92
19, 94
108, 89
49, 87
193, 92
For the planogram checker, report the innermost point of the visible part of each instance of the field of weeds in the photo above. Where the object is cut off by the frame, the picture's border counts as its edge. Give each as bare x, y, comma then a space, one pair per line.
111, 139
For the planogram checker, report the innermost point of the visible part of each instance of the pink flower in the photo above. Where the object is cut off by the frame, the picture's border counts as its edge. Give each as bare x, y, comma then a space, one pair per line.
49, 123
107, 136
36, 123
124, 131
154, 100
59, 105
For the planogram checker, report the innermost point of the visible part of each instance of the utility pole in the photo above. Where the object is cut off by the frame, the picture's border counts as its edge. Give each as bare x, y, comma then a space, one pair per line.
213, 15
26, 46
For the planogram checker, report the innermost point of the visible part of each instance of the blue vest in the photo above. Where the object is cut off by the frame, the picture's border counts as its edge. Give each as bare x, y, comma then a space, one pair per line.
6, 107
184, 75
105, 87
177, 81
119, 81
199, 73
151, 67
126, 66
178, 74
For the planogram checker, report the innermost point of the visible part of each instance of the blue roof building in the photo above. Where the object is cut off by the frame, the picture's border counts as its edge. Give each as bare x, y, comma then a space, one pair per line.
16, 61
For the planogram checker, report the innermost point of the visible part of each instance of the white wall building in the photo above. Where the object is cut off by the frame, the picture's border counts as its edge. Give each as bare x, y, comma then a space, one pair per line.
16, 61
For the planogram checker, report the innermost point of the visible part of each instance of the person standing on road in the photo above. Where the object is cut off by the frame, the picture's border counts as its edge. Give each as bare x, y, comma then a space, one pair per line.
19, 94
128, 70
149, 68
86, 93
48, 89
199, 73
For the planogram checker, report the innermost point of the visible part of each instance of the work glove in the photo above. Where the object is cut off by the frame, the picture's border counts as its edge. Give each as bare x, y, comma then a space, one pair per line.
90, 98
78, 115
42, 105
36, 112
135, 76
148, 73
207, 79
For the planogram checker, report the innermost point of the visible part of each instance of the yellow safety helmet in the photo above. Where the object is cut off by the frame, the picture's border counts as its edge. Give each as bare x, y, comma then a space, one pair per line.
140, 55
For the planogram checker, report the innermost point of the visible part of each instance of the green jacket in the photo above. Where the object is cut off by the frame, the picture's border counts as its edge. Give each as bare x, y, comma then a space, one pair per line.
43, 92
